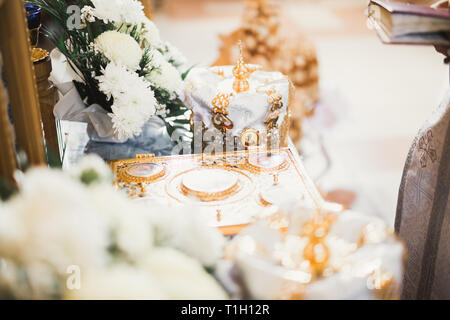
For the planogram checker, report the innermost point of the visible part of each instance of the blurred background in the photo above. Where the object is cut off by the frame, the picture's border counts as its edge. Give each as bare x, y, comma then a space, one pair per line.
373, 97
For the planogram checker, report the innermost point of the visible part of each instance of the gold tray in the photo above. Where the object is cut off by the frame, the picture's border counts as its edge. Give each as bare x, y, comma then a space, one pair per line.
232, 207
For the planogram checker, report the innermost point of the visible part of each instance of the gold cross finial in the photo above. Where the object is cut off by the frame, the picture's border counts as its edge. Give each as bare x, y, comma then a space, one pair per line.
241, 73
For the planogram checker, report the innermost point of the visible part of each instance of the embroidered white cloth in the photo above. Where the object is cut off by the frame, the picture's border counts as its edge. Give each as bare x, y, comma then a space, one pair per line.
365, 261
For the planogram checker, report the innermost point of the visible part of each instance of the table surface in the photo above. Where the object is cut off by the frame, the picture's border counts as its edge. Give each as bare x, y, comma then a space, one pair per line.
374, 97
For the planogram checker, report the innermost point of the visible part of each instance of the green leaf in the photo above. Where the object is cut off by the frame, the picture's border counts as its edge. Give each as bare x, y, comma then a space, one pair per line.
186, 73
177, 113
182, 121
53, 159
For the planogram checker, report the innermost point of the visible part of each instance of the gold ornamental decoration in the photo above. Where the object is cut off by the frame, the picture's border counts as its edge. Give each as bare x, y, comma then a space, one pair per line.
316, 251
142, 173
250, 138
38, 55
137, 175
241, 73
276, 106
220, 117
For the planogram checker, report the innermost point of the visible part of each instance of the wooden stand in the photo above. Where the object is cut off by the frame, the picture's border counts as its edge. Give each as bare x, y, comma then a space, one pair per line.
147, 8
47, 99
19, 71
8, 163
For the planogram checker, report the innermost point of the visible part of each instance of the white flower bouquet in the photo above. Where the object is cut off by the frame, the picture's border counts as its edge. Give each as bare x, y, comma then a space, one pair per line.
122, 69
72, 236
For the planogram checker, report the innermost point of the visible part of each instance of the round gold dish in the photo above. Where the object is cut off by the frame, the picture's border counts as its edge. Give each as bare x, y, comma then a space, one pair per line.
209, 184
266, 163
221, 194
142, 173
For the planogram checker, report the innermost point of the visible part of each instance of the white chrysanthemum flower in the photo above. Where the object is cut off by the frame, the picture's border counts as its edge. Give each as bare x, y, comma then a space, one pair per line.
182, 277
87, 14
142, 100
174, 56
150, 33
164, 75
56, 222
120, 282
113, 81
188, 233
120, 48
126, 121
161, 110
132, 12
53, 223
119, 11
134, 100
106, 10
132, 231
92, 169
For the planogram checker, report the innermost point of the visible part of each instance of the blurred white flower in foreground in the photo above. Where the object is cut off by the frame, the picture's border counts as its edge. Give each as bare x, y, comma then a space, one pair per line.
184, 228
56, 222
